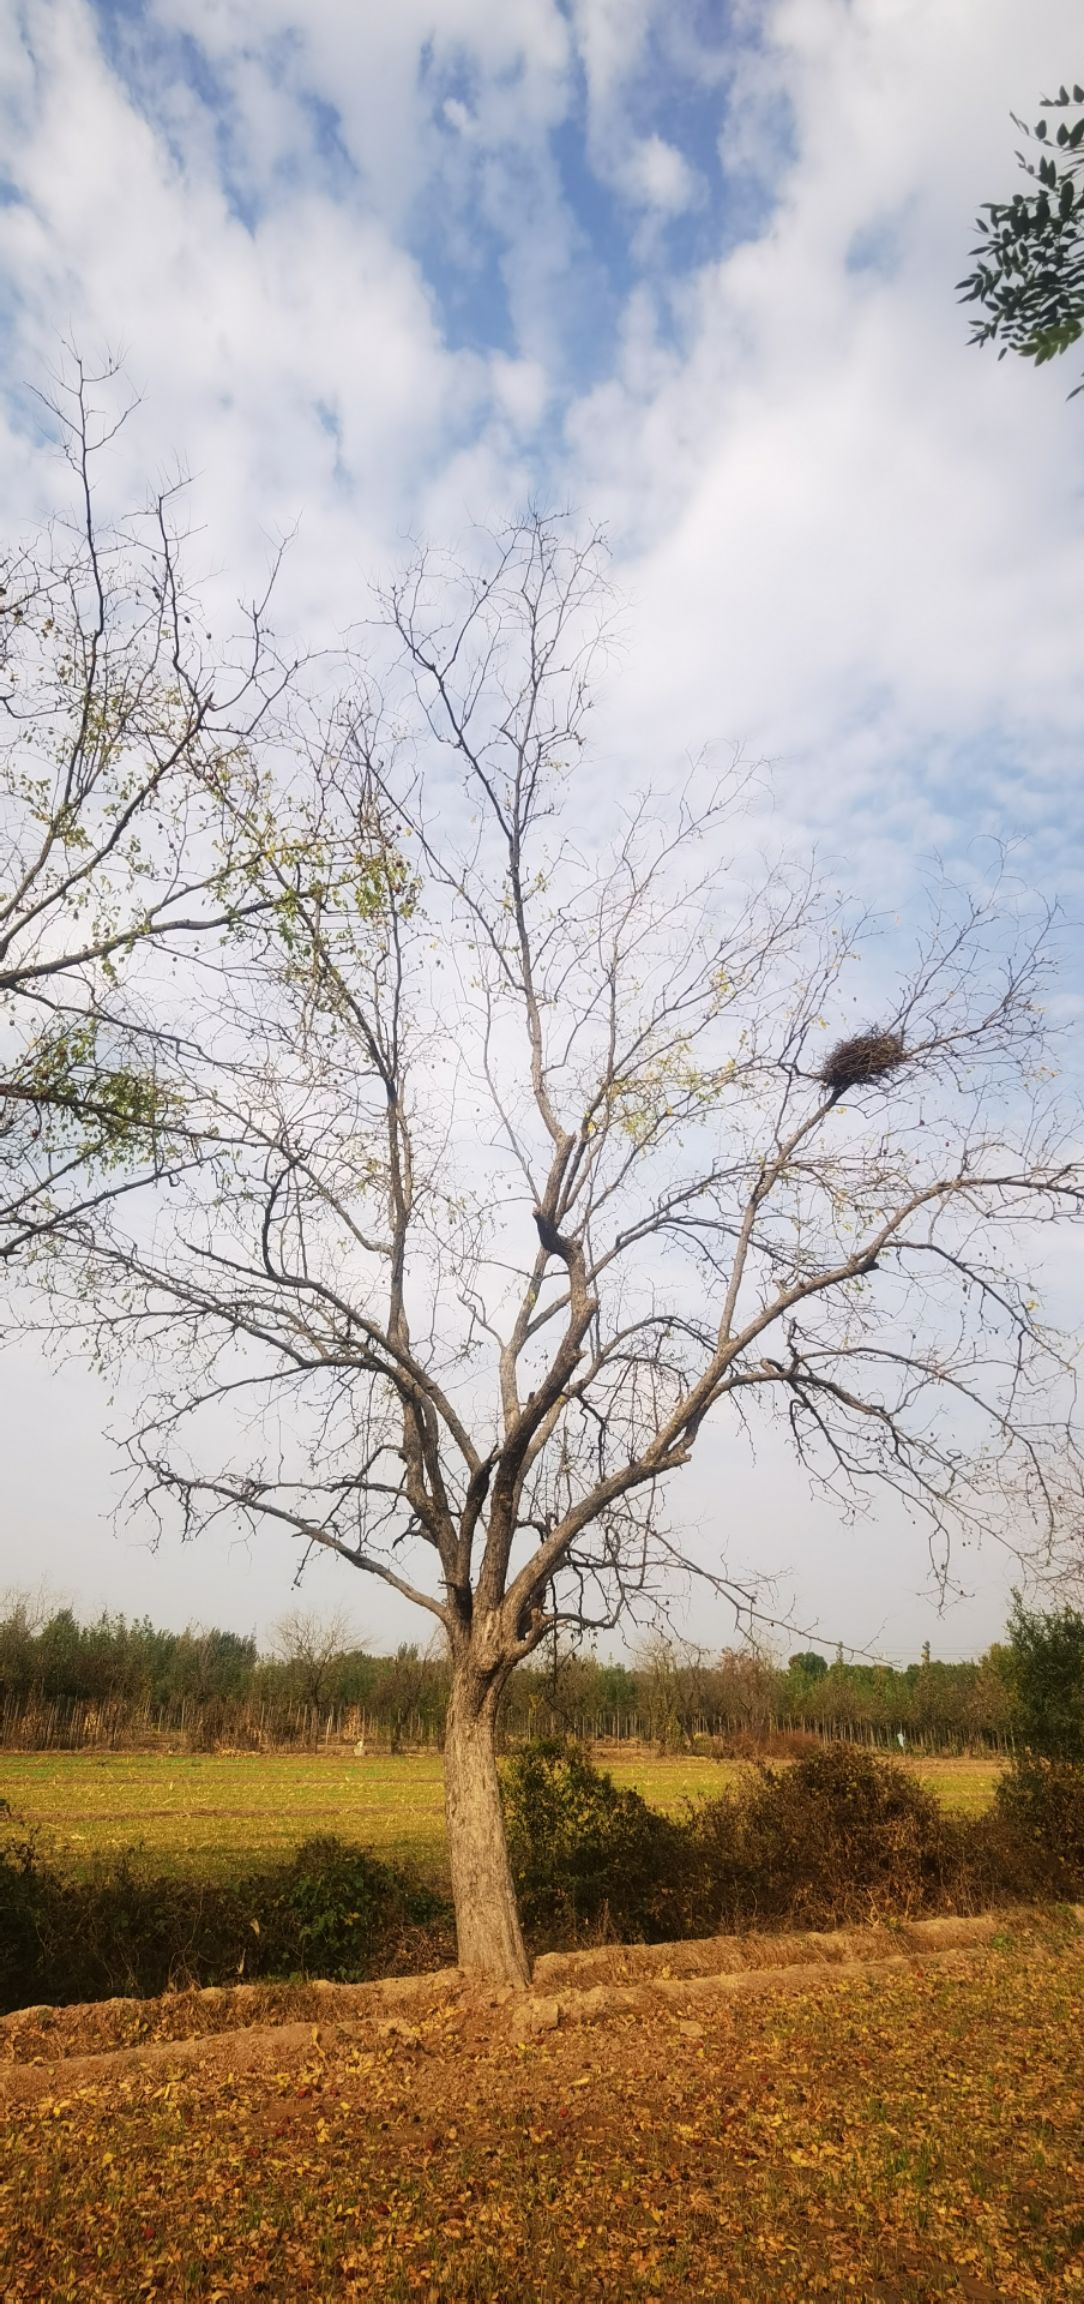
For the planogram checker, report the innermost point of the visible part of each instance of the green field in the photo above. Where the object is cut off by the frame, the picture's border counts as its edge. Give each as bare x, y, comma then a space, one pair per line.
209, 1814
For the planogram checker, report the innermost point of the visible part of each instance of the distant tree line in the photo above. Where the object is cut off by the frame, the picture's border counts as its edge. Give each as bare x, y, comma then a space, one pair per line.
213, 1683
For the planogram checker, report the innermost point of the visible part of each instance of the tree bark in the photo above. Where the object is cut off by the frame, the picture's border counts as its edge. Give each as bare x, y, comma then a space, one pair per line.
486, 1913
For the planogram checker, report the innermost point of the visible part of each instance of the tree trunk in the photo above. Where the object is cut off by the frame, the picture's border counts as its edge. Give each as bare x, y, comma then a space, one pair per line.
486, 1912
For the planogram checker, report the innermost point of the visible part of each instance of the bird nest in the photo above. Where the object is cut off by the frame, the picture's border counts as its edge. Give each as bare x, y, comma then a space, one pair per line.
867, 1057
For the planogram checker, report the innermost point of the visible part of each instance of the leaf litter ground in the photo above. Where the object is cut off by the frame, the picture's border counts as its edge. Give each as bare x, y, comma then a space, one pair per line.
897, 2138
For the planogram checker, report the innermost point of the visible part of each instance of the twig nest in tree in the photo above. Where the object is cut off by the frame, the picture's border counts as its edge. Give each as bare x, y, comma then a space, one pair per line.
867, 1057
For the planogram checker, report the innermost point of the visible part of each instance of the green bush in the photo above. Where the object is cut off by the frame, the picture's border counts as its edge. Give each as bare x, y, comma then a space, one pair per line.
588, 1856
840, 1837
332, 1906
330, 1910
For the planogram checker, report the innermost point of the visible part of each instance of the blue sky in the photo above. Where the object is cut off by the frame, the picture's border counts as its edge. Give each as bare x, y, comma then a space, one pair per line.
381, 271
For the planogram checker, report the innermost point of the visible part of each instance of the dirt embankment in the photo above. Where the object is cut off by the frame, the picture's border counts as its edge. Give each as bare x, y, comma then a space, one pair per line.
273, 2027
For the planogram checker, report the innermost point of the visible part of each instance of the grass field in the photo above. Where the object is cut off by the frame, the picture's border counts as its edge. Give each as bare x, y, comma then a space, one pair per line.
210, 1814
910, 2138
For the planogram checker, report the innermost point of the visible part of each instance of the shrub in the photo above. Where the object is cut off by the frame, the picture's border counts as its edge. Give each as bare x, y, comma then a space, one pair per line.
330, 1910
1033, 1838
333, 1910
588, 1856
838, 1837
20, 1913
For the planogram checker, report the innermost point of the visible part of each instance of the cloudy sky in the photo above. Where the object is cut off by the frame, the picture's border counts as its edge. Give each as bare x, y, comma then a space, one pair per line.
381, 271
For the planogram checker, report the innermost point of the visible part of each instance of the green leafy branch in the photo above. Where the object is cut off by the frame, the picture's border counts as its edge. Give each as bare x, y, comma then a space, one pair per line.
1029, 277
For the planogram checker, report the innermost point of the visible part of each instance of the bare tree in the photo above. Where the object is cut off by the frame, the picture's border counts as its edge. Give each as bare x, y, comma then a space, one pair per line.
682, 1686
405, 1681
121, 736
524, 1158
311, 1645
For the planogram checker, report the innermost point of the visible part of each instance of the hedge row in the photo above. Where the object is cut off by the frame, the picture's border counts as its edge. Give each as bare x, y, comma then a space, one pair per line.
331, 1910
839, 1837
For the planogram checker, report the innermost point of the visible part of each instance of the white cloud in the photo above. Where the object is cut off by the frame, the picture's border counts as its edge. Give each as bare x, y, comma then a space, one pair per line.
611, 36
373, 66
521, 389
848, 538
852, 539
614, 42
298, 366
656, 173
